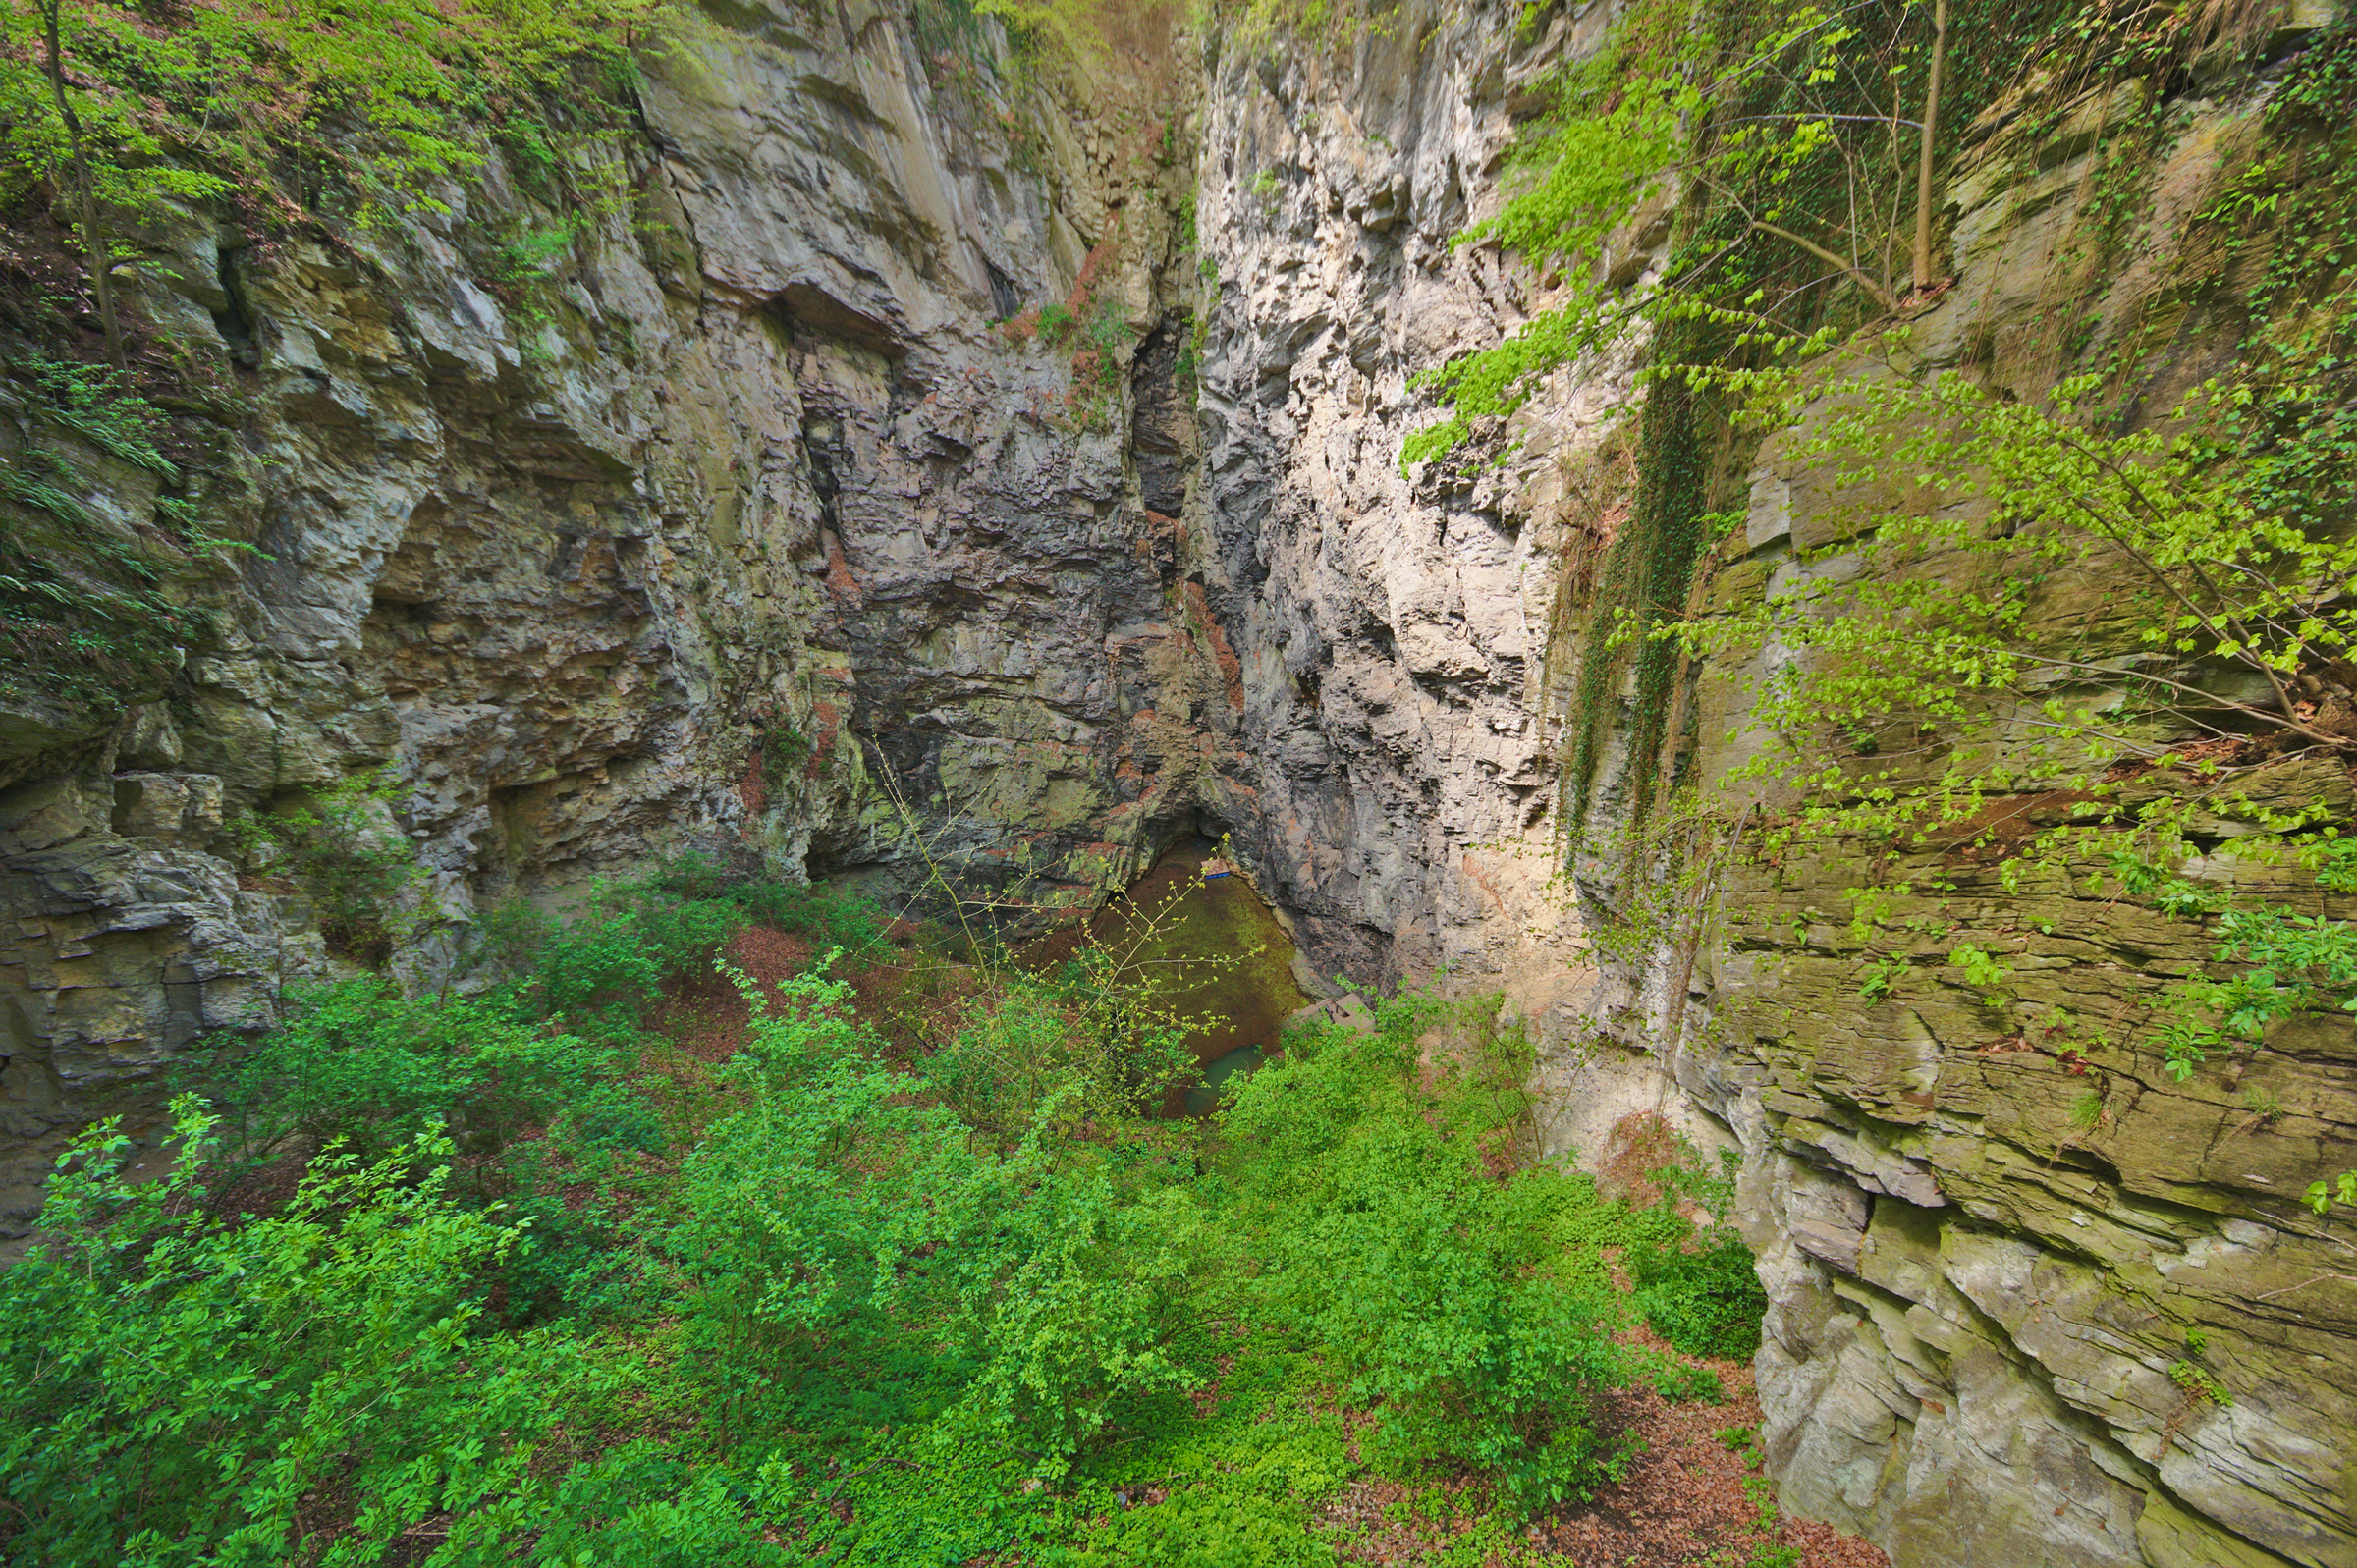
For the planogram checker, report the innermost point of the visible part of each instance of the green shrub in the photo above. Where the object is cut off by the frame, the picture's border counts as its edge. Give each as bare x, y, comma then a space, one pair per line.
358, 1065
1241, 1482
830, 916
382, 109
358, 1062
648, 1508
1696, 1285
1007, 1056
611, 964
861, 1321
177, 1390
1065, 1054
900, 1500
1434, 1285
839, 1216
1705, 1302
578, 1258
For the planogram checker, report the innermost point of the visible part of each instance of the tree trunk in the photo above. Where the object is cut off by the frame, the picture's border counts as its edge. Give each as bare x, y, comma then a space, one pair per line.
93, 239
1923, 170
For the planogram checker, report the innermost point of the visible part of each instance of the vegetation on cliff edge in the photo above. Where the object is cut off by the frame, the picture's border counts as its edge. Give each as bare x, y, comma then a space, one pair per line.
2062, 617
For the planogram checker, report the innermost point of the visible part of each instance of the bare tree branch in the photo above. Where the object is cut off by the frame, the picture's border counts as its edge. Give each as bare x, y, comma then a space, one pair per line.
93, 238
1849, 269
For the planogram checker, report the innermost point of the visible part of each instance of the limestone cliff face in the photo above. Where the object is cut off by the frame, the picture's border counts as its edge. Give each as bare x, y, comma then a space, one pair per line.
571, 558
775, 521
1990, 1262
1390, 766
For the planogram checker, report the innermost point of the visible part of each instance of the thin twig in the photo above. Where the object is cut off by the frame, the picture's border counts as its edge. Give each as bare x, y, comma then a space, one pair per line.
1850, 268
2269, 1295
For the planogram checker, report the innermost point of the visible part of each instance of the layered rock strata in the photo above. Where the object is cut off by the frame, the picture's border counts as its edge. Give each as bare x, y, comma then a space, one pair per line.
692, 538
2028, 1304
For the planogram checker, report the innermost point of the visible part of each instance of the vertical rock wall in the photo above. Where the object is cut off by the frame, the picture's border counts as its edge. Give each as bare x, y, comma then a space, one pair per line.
1390, 765
1981, 1311
1998, 1271
738, 526
778, 515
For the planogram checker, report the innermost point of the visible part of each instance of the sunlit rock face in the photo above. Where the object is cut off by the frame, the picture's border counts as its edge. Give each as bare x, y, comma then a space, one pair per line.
1976, 1303
1383, 736
786, 517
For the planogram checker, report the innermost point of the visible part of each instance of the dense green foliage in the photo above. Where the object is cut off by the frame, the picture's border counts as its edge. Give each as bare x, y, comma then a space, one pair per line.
2013, 602
2211, 592
1765, 139
1441, 1295
366, 105
182, 1389
1696, 1286
1778, 160
359, 1064
1769, 148
551, 1292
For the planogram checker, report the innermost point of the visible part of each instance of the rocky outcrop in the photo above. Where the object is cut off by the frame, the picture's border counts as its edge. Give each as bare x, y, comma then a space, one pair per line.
2033, 1298
697, 535
1386, 760
1985, 1257
128, 943
903, 454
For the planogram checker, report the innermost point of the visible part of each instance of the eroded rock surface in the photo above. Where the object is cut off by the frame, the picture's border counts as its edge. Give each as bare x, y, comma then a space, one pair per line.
2007, 1276
671, 545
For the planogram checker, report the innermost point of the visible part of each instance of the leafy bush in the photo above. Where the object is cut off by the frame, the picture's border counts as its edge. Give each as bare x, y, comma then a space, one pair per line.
649, 1508
611, 964
1010, 1055
1239, 1481
869, 1314
830, 916
1434, 1284
1705, 1298
579, 1258
838, 1215
348, 855
1074, 1051
177, 1390
359, 1064
393, 101
1696, 1285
